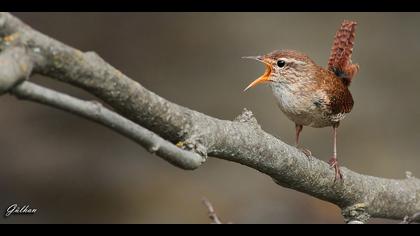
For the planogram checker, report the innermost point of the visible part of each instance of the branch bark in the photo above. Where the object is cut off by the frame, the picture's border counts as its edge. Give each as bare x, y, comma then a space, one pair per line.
94, 111
241, 140
211, 212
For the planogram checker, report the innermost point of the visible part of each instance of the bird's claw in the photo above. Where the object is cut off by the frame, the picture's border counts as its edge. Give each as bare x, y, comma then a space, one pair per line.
334, 163
307, 152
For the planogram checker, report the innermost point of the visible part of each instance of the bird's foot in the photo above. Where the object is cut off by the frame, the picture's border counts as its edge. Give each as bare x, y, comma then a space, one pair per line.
334, 163
306, 151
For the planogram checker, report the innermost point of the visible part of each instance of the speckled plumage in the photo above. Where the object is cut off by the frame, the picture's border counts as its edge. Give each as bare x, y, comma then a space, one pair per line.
311, 95
308, 94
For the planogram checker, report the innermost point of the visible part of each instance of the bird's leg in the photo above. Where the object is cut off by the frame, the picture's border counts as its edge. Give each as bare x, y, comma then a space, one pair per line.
333, 161
299, 129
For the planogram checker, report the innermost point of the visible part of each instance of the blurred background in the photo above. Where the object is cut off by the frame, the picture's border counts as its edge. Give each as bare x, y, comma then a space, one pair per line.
75, 171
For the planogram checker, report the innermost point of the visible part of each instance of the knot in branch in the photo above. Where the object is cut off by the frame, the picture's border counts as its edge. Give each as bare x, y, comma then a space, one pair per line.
409, 175
247, 117
15, 66
193, 145
356, 214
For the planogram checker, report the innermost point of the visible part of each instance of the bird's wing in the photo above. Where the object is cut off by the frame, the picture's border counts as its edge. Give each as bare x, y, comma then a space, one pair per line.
340, 58
341, 101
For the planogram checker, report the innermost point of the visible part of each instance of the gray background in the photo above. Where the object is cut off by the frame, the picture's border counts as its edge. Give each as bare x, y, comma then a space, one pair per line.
75, 171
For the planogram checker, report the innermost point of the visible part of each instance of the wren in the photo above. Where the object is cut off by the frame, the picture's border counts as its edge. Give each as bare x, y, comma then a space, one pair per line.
309, 94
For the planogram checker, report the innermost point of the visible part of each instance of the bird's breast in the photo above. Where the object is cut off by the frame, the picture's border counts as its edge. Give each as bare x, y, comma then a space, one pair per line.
303, 105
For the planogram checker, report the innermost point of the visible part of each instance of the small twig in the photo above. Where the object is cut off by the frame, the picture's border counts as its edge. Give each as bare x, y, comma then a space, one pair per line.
411, 219
212, 214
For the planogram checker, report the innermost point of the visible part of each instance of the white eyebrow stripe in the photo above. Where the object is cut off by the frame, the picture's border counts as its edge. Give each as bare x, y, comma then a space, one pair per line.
291, 60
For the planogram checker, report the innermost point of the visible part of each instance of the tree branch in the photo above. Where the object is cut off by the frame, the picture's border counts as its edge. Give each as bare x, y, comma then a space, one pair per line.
411, 219
211, 212
94, 111
242, 140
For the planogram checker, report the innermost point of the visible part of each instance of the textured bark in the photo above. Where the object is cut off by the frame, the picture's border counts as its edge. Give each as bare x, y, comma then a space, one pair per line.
96, 112
241, 140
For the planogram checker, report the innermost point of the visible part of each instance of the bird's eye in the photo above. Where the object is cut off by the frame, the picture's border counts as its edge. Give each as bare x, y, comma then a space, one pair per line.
281, 63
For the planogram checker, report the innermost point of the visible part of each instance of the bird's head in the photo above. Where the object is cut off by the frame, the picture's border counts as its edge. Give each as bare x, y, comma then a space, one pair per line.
285, 66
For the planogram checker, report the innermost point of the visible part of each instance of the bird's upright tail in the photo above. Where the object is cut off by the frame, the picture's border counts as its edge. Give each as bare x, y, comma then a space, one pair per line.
340, 59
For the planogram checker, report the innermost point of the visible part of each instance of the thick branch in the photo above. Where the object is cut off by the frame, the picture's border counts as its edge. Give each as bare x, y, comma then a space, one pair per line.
241, 141
15, 66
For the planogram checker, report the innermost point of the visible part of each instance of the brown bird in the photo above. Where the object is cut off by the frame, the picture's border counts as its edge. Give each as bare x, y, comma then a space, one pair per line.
311, 95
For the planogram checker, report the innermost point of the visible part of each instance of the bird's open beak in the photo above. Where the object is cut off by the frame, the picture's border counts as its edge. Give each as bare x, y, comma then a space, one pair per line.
263, 78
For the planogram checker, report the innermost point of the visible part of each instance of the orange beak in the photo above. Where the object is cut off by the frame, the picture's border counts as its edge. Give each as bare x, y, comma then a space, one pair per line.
263, 78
